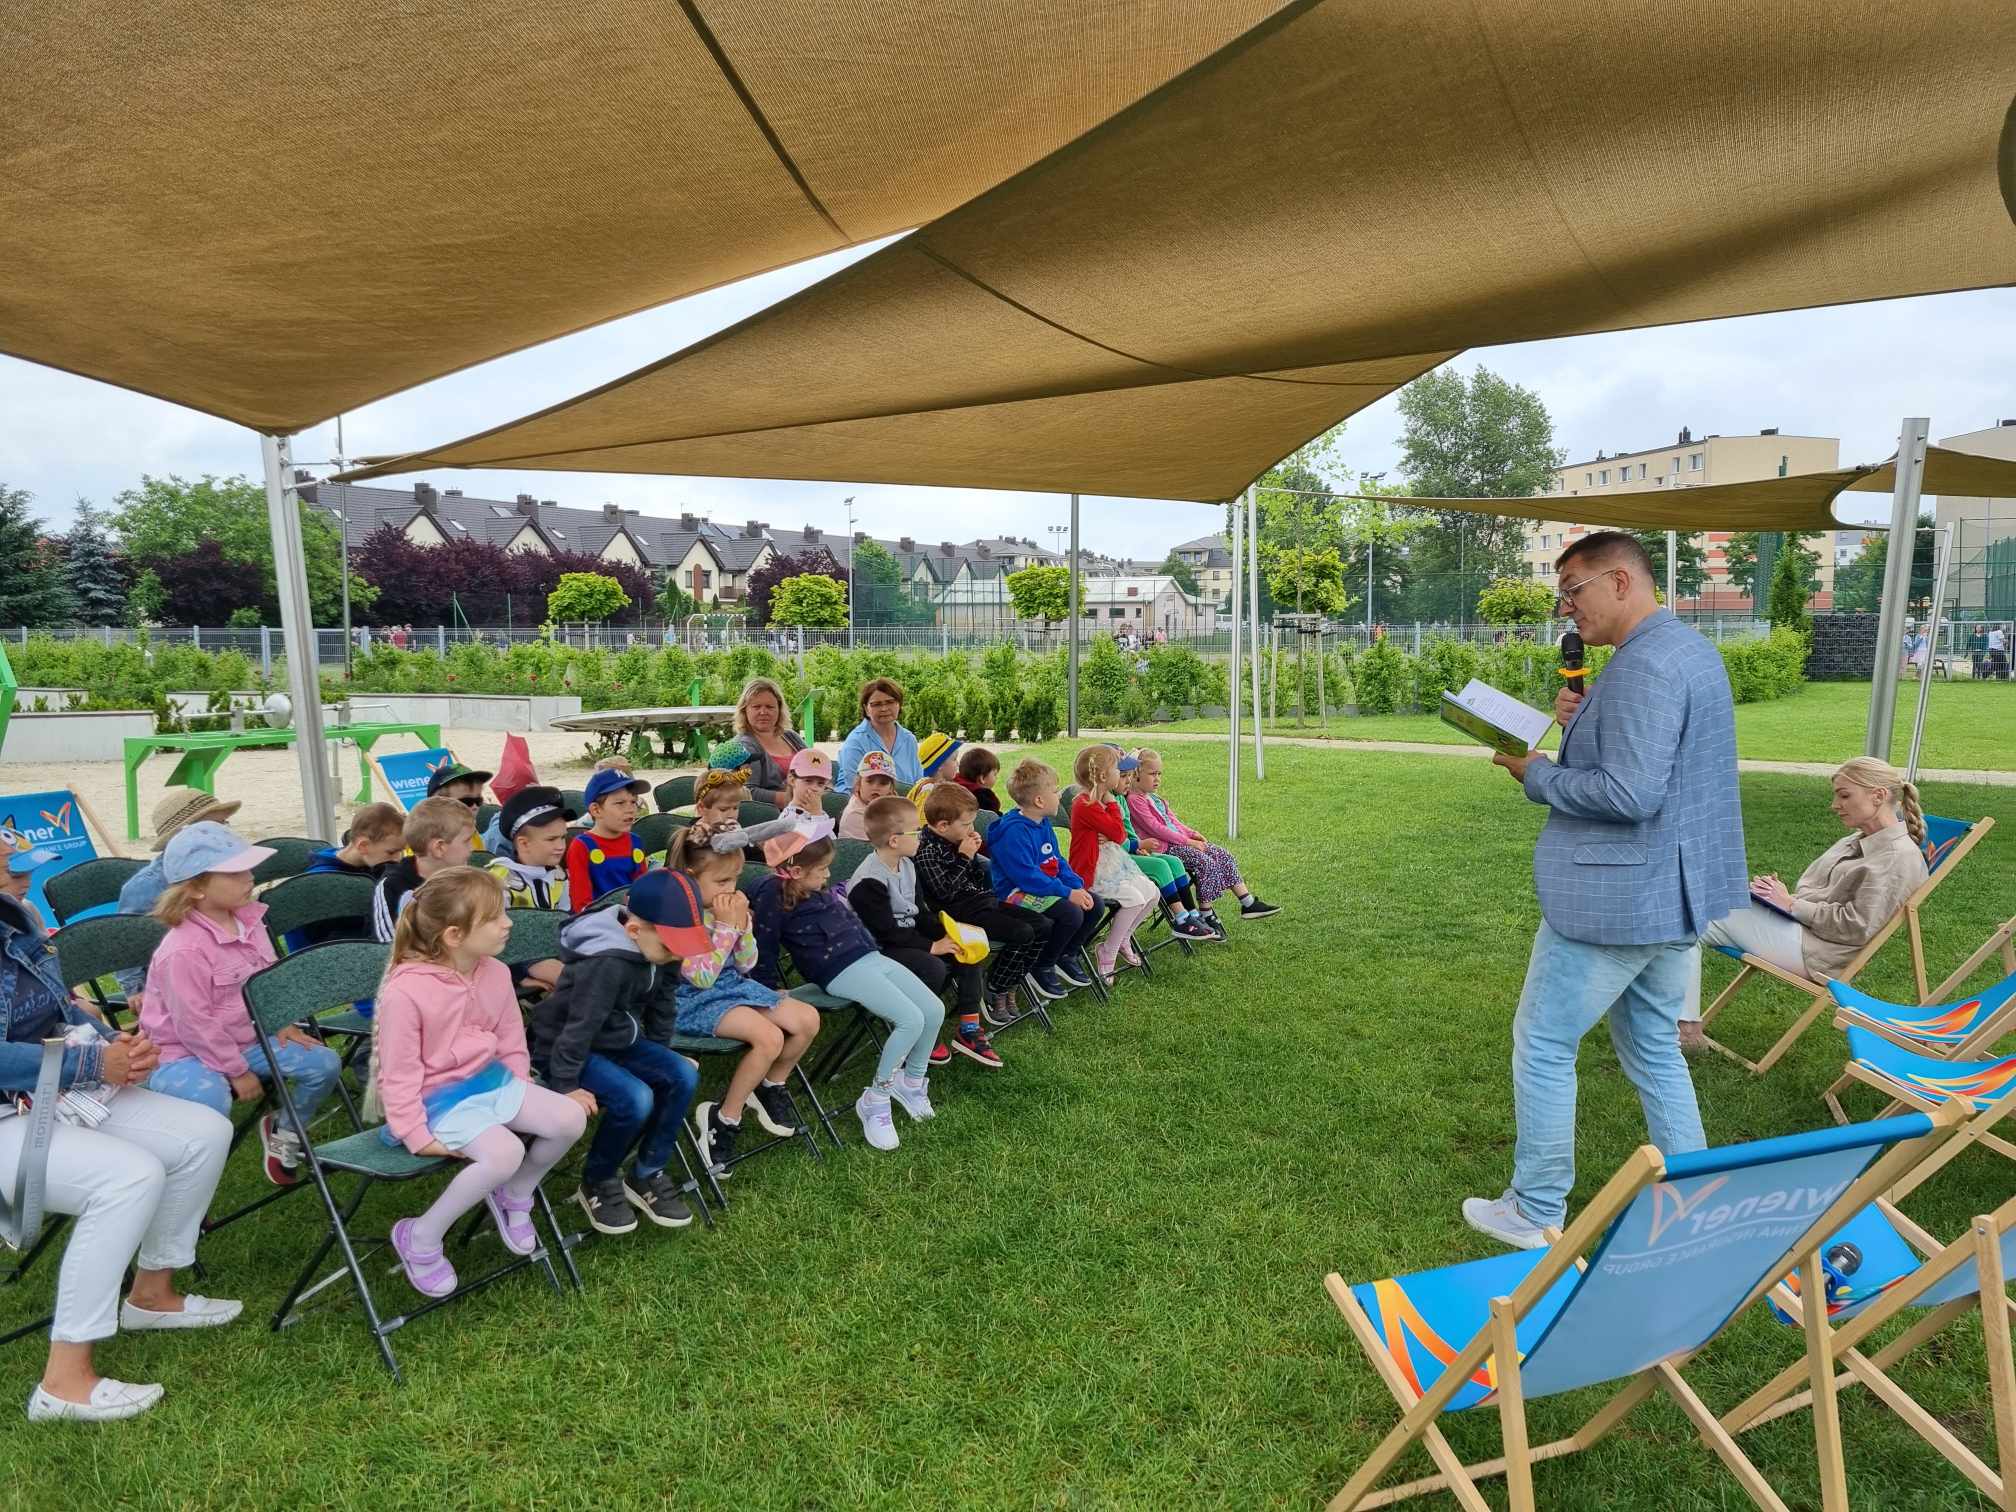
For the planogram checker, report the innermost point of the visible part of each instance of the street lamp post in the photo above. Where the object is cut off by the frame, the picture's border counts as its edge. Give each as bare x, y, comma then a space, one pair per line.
849, 502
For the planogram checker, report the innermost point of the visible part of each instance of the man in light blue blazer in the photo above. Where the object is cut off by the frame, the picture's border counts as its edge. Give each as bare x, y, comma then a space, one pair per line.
1642, 850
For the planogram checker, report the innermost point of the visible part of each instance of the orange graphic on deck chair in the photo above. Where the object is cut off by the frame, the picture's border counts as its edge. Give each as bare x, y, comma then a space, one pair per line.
1401, 1318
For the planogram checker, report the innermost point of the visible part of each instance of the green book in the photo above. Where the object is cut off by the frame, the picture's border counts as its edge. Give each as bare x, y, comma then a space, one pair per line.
1495, 719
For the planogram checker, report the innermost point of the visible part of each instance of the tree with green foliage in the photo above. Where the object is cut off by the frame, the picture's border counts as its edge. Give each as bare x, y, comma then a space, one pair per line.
1692, 571
1484, 438
1751, 555
97, 573
674, 603
33, 590
810, 600
585, 598
1305, 508
1041, 593
1175, 567
1516, 601
168, 518
1858, 585
881, 597
1788, 593
1310, 579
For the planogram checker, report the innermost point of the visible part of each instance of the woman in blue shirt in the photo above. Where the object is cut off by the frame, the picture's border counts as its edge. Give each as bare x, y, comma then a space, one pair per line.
881, 729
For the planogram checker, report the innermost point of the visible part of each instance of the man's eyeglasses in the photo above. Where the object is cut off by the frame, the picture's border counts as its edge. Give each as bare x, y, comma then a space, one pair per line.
1564, 601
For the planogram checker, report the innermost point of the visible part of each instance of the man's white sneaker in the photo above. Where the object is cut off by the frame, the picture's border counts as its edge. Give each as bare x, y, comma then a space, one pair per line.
110, 1400
1500, 1218
877, 1127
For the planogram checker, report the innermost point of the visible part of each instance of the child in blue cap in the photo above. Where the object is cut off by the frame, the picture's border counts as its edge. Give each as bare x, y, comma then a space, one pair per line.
606, 857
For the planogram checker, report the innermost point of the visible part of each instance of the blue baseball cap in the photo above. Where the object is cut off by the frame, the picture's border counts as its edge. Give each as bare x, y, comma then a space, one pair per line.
670, 903
20, 863
207, 846
602, 784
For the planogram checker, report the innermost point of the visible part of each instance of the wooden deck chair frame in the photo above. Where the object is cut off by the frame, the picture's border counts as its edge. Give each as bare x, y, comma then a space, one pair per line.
349, 970
1983, 1035
1496, 1343
1817, 994
1978, 1126
1982, 1248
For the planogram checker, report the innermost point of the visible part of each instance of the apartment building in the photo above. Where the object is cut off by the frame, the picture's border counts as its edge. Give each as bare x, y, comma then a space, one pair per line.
1689, 462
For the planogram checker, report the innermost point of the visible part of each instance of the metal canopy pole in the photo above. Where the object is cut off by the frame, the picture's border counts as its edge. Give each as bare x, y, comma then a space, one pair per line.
1673, 570
1232, 680
297, 624
1071, 639
1896, 584
1253, 609
1931, 649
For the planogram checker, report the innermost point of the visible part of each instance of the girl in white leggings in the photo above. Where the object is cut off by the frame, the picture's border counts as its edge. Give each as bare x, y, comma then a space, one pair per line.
138, 1183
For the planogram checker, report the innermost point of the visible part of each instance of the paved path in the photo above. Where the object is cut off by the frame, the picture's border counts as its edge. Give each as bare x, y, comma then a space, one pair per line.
1477, 752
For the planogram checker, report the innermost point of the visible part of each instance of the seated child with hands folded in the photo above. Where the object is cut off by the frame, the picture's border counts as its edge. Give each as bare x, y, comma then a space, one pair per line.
450, 1066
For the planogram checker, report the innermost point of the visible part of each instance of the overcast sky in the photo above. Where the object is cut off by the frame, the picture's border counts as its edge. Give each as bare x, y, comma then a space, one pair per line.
1850, 372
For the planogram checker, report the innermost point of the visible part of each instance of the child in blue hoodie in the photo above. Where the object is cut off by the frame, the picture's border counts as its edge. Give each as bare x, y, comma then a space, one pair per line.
1030, 871
795, 911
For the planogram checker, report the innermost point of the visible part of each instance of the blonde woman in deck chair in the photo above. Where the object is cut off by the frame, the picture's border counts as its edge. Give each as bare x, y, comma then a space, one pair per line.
1843, 899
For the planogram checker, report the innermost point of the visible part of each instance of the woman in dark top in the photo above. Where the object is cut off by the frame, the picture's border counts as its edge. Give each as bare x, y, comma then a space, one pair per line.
764, 742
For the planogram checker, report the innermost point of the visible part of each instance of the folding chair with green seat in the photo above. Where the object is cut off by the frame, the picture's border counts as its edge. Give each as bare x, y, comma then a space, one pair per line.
1984, 1091
832, 804
301, 987
575, 799
653, 832
1086, 962
847, 858
1948, 1031
1947, 842
1873, 1270
616, 897
485, 813
1676, 1248
677, 793
292, 855
751, 812
88, 951
91, 885
327, 898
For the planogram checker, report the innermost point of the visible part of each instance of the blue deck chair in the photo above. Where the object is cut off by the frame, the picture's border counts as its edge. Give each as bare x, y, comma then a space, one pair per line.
1675, 1248
1947, 842
1983, 1090
1873, 1274
1949, 1031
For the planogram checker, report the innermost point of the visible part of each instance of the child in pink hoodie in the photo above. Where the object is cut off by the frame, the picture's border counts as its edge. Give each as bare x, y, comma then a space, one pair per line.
194, 1006
450, 1066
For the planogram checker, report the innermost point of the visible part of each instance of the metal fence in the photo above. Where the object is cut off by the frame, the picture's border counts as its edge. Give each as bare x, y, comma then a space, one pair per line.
264, 645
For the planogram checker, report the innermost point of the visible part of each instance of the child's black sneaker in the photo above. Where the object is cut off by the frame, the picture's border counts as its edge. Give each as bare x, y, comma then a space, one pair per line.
607, 1208
1001, 1010
657, 1198
1253, 908
774, 1110
974, 1045
717, 1139
1196, 929
1049, 986
1212, 922
1071, 975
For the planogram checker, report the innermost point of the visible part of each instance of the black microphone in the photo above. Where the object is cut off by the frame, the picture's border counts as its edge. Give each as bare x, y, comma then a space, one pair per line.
1571, 657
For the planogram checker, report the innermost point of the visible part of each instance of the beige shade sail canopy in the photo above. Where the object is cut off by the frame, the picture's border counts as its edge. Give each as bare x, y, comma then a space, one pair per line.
1342, 199
1801, 502
274, 212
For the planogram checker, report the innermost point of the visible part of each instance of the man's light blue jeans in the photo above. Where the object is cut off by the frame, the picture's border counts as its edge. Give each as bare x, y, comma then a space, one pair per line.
1569, 986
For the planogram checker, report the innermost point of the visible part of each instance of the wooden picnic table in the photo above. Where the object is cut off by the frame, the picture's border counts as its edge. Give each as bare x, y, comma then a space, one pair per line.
203, 753
689, 723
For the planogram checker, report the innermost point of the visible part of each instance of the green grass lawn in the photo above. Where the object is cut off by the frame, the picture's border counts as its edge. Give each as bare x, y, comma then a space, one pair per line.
1096, 1279
1969, 726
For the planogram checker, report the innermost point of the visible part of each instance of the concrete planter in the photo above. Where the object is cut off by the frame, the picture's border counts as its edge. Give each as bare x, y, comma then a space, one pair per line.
480, 711
68, 738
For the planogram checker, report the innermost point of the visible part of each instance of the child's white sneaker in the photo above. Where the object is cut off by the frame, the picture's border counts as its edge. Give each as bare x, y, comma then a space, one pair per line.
915, 1095
877, 1127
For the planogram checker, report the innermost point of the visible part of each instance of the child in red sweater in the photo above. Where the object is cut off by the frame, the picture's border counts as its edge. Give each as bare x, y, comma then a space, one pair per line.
1099, 842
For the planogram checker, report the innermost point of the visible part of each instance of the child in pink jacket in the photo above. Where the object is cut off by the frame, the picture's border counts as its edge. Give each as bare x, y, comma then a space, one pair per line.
194, 1005
450, 1066
1210, 866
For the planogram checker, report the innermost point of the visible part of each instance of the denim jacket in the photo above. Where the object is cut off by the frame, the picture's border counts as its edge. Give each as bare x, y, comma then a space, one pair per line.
34, 1005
